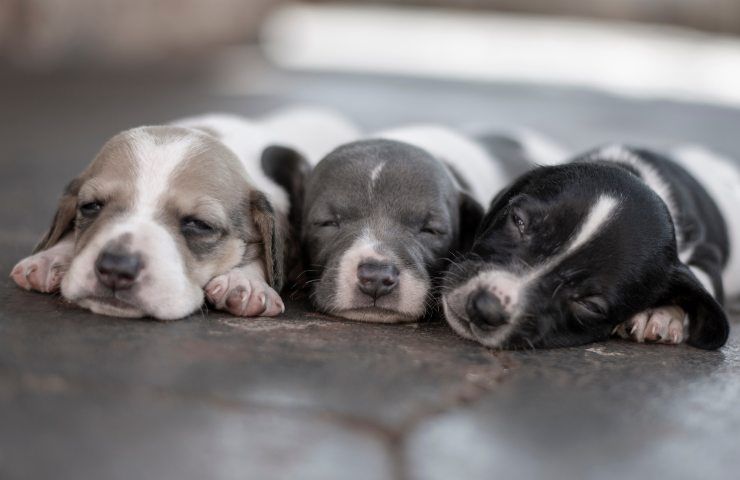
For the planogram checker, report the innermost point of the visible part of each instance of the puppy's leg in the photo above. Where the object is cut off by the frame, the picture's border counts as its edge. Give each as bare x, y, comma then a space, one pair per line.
657, 325
43, 271
244, 292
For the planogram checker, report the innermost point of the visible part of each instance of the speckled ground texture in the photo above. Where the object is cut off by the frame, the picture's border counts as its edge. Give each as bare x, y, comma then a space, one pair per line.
306, 396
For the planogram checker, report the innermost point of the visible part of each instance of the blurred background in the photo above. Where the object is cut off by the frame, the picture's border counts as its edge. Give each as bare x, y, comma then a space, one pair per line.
74, 72
665, 48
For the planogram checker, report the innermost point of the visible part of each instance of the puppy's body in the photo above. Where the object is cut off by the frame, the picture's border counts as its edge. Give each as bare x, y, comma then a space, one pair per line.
384, 215
720, 178
702, 236
474, 169
164, 212
620, 239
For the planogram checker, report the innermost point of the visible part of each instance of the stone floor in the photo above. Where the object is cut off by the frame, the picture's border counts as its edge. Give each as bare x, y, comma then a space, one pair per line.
306, 396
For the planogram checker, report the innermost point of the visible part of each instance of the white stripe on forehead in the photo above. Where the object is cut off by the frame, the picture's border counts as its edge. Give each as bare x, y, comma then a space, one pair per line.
648, 174
374, 174
598, 216
155, 162
504, 283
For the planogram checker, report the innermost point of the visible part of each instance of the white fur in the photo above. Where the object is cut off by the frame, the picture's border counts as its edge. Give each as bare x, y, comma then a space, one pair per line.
169, 293
649, 175
504, 283
704, 279
247, 140
599, 215
541, 149
312, 132
411, 290
720, 176
483, 174
154, 165
375, 174
364, 248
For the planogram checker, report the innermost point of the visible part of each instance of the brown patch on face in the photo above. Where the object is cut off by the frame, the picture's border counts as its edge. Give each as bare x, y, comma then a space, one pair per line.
210, 186
109, 179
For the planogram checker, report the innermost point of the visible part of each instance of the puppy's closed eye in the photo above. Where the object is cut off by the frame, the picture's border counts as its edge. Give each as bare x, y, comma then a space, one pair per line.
192, 226
90, 209
430, 230
590, 306
332, 223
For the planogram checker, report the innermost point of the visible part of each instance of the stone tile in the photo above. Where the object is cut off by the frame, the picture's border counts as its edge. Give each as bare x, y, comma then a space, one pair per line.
608, 411
303, 361
55, 429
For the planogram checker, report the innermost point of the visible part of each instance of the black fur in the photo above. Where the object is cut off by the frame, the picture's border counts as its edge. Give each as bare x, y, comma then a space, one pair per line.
629, 266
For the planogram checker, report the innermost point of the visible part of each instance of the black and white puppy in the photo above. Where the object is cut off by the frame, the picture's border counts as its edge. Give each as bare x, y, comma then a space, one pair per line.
621, 239
383, 215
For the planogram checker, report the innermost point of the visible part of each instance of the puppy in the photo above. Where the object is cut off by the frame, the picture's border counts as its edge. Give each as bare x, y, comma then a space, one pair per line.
382, 216
621, 239
166, 212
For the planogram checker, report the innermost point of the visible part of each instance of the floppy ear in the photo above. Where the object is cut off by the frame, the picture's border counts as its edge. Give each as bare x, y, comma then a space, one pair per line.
471, 214
265, 220
708, 326
289, 169
64, 218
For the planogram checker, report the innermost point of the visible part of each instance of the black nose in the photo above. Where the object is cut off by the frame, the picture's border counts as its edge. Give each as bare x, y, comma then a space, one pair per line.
376, 278
117, 270
485, 309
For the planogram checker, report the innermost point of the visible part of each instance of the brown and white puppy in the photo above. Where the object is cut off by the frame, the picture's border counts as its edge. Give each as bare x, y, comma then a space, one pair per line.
164, 213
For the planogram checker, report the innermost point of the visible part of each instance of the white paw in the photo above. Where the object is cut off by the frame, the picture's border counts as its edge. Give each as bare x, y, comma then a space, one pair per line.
242, 296
656, 325
42, 272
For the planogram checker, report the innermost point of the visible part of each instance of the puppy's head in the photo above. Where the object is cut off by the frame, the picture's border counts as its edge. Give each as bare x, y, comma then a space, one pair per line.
380, 219
567, 253
156, 215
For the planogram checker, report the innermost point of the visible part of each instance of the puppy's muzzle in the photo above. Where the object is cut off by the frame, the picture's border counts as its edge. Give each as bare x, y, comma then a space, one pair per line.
118, 270
377, 279
485, 309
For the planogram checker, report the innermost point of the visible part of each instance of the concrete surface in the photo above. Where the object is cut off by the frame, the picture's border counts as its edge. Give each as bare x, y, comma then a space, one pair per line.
306, 396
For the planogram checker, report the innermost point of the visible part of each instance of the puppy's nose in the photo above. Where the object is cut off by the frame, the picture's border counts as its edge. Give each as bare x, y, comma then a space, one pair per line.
376, 278
485, 309
117, 270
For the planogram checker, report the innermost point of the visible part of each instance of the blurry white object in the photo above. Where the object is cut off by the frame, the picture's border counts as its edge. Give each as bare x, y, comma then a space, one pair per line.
631, 59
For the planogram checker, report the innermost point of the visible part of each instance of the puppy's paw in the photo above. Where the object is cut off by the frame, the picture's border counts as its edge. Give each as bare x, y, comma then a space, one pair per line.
656, 325
42, 272
242, 296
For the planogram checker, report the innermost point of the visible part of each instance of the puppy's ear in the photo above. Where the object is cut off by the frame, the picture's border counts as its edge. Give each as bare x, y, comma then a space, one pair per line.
269, 229
708, 326
64, 218
471, 214
289, 169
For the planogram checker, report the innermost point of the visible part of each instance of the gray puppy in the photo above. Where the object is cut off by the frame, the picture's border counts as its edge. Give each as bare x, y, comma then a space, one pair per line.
383, 215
